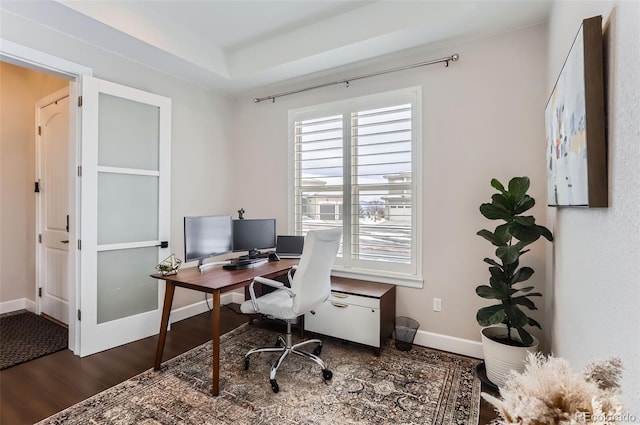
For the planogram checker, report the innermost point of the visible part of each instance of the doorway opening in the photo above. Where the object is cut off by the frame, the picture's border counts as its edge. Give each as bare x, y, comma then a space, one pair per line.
38, 75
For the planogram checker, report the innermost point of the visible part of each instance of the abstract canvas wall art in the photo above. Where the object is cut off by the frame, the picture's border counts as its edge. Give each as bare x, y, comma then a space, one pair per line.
575, 125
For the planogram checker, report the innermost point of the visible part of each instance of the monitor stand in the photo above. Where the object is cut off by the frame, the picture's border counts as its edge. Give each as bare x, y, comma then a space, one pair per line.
202, 267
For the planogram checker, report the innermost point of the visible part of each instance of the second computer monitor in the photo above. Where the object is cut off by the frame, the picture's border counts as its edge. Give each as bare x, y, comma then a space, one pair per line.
254, 234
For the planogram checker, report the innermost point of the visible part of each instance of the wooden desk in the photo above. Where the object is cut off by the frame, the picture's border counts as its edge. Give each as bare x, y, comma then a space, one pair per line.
214, 281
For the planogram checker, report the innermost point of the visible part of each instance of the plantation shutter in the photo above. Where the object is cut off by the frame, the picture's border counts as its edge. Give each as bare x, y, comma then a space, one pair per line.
355, 168
381, 184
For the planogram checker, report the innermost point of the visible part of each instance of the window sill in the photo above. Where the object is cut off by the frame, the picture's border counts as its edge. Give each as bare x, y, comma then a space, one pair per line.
399, 279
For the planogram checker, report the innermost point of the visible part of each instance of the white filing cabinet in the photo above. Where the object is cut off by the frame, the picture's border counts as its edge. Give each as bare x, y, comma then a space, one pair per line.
357, 311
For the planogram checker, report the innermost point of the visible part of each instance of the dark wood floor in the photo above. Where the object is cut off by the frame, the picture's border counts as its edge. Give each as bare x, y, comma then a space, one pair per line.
37, 389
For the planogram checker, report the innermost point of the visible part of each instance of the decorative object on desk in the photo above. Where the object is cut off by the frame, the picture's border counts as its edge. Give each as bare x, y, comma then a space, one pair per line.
169, 265
575, 124
404, 332
505, 347
241, 214
420, 386
548, 392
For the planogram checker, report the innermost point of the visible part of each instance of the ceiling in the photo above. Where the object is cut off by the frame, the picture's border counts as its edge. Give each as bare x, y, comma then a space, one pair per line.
236, 45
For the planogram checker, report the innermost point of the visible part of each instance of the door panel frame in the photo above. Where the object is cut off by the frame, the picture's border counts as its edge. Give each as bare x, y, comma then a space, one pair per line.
101, 336
40, 247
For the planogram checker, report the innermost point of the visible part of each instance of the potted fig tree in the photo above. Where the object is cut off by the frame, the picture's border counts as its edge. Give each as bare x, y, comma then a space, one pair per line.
506, 346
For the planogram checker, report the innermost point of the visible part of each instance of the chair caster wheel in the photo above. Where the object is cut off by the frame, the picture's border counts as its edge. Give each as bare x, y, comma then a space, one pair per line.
317, 350
327, 374
246, 363
274, 385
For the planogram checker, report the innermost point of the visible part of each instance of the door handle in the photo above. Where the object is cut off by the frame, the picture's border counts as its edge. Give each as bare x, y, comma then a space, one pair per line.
67, 241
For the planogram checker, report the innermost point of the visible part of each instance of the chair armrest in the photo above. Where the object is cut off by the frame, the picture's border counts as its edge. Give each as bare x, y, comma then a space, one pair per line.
268, 282
292, 270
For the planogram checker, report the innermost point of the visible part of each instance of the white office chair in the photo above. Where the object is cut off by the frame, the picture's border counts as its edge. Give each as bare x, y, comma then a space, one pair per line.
310, 287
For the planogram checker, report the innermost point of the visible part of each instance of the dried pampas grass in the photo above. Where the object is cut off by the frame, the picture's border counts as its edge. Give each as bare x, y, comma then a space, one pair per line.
547, 392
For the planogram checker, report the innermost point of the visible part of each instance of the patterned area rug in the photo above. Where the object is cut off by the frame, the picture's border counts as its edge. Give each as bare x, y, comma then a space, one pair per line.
27, 336
421, 386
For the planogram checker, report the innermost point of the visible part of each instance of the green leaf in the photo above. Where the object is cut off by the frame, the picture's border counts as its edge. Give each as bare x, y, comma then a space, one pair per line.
546, 233
526, 289
518, 187
515, 316
491, 315
525, 302
525, 337
496, 184
525, 204
508, 254
524, 233
502, 290
487, 292
522, 275
534, 294
534, 323
526, 220
502, 201
494, 239
499, 274
502, 233
492, 262
494, 212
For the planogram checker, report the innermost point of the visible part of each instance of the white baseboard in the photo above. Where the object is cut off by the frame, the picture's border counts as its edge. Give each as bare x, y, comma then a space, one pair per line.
465, 347
202, 306
19, 304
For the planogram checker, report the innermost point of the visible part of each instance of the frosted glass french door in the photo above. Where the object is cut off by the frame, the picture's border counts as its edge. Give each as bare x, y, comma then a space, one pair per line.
125, 182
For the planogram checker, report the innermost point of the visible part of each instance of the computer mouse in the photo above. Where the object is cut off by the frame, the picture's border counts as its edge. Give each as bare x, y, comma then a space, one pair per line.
273, 256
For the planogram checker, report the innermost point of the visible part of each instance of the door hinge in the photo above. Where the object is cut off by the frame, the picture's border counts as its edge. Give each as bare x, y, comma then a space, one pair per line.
37, 187
79, 244
79, 315
39, 131
79, 100
39, 237
40, 292
79, 170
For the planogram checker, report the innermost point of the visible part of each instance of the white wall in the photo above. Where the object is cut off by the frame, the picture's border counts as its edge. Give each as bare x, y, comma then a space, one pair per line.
200, 126
21, 89
483, 117
595, 285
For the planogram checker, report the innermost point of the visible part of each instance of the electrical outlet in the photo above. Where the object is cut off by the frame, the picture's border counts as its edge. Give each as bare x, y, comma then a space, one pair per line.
437, 304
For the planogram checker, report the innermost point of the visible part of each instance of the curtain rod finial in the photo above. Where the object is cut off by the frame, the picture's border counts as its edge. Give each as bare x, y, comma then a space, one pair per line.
455, 57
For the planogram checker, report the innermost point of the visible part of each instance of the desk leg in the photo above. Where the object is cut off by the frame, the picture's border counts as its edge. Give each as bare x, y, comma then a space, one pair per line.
164, 323
215, 344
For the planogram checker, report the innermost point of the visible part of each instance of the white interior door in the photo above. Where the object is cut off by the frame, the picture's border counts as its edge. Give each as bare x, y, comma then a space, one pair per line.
52, 206
125, 183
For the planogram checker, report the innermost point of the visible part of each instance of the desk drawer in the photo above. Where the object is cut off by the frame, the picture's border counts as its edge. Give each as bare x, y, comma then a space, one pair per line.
343, 298
337, 317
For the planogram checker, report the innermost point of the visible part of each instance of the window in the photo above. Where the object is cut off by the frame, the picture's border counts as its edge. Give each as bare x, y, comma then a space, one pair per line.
355, 167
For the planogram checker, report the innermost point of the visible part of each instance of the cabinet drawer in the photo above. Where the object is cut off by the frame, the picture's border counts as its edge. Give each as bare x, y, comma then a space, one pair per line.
352, 322
341, 297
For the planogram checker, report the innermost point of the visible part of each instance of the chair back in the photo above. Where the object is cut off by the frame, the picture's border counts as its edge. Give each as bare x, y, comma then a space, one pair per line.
312, 280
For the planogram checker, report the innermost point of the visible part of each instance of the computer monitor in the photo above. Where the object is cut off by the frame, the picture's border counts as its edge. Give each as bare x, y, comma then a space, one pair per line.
254, 234
207, 236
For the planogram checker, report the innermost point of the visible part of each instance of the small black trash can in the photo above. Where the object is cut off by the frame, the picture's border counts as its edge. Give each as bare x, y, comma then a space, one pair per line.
405, 331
